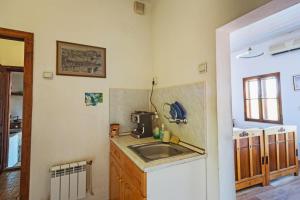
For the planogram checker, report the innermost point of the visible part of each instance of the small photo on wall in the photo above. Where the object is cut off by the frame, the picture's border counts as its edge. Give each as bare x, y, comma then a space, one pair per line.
297, 82
92, 99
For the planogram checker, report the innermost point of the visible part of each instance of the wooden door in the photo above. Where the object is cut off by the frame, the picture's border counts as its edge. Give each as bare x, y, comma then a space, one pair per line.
129, 191
4, 116
115, 180
281, 154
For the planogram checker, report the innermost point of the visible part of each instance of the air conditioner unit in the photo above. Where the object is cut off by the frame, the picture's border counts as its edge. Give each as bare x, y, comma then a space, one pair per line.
284, 47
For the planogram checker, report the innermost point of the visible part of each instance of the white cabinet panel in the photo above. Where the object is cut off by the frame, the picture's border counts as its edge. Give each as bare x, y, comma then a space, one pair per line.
183, 181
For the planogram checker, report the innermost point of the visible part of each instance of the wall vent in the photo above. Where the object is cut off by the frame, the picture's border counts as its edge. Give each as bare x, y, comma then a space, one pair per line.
139, 8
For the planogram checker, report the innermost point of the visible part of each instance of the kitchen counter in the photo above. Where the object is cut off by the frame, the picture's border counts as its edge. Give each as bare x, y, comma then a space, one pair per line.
122, 142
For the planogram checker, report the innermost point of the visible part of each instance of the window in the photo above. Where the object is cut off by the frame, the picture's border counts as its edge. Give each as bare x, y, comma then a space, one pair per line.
262, 99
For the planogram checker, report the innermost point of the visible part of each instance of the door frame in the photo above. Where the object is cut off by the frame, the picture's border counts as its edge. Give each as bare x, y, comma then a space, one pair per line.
5, 118
27, 104
224, 103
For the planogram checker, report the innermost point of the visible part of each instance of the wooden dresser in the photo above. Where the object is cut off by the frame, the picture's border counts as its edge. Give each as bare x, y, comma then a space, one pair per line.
261, 155
249, 157
281, 151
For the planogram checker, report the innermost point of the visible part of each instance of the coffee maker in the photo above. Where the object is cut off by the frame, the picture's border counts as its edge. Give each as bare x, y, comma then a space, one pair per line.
143, 121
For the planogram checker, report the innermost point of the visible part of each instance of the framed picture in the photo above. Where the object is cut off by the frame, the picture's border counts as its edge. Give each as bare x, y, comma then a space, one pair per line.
297, 82
80, 60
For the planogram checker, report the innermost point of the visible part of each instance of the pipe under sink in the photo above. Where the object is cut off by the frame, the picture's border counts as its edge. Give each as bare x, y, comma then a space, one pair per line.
159, 150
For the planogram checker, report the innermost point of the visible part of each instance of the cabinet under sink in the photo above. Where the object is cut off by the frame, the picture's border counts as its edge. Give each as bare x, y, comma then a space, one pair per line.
172, 179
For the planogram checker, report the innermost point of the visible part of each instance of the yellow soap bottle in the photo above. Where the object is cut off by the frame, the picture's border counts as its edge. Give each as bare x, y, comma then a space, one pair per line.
166, 136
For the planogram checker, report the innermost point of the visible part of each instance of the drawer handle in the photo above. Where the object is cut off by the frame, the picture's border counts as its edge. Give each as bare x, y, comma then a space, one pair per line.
263, 160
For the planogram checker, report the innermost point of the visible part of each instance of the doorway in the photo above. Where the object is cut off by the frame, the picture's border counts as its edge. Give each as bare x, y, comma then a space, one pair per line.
224, 107
11, 106
15, 117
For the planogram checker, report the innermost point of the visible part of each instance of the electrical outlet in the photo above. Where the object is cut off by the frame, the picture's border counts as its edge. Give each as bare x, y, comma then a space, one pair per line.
202, 68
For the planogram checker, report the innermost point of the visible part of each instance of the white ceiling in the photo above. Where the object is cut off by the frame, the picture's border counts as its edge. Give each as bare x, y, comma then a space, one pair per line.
281, 23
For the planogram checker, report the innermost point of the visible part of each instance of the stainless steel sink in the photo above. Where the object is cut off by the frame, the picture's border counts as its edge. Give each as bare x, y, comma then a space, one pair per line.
158, 150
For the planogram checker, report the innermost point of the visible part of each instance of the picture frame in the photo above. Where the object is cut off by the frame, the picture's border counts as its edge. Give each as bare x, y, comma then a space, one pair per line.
93, 98
296, 80
80, 60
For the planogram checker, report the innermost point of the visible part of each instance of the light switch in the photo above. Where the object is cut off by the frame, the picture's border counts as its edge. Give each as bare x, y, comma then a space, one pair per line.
48, 75
202, 68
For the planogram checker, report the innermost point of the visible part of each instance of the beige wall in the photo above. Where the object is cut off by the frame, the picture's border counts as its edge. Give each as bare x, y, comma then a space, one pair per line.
63, 128
11, 53
184, 37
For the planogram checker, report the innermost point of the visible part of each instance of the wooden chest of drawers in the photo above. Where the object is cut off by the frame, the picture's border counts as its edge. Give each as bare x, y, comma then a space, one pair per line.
263, 155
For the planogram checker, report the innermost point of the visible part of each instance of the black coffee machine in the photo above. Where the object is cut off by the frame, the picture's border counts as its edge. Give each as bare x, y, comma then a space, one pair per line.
143, 122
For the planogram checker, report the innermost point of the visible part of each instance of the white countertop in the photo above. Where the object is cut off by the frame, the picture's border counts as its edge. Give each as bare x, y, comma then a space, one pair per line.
124, 141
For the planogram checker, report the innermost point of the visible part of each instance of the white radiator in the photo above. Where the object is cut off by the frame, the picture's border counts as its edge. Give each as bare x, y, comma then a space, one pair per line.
68, 181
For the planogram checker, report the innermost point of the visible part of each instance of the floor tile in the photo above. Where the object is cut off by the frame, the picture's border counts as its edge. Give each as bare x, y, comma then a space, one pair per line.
282, 190
9, 185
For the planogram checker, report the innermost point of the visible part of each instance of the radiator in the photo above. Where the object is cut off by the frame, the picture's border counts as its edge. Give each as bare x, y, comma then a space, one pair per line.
68, 181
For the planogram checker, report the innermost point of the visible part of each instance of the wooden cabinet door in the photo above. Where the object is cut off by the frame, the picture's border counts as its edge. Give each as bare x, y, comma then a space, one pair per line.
128, 191
249, 160
281, 154
271, 153
257, 153
244, 158
115, 180
236, 161
281, 151
292, 150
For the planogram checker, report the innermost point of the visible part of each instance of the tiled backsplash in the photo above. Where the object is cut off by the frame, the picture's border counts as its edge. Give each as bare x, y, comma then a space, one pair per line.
122, 102
192, 97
